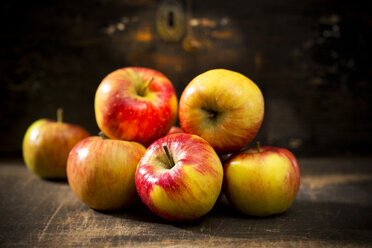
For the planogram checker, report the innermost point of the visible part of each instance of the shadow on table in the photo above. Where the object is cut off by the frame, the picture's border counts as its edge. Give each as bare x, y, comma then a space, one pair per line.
140, 212
56, 180
137, 212
305, 220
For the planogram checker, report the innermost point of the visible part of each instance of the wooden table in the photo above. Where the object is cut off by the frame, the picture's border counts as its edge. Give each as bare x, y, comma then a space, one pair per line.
332, 209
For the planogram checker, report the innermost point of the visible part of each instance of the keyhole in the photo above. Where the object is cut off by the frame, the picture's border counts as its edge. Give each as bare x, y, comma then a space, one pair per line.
171, 19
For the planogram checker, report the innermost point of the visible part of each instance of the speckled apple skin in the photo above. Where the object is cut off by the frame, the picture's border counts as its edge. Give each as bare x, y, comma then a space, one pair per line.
122, 113
46, 146
101, 172
186, 191
236, 99
262, 183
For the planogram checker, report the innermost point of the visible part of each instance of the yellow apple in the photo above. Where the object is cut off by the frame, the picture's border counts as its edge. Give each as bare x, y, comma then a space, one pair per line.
262, 181
46, 146
101, 172
224, 107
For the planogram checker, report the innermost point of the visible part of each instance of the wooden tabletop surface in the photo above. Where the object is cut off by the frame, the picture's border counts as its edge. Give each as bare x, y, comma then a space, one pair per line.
332, 209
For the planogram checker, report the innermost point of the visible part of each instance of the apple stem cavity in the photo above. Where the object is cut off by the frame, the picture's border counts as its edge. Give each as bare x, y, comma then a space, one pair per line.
60, 115
258, 146
147, 84
212, 114
170, 158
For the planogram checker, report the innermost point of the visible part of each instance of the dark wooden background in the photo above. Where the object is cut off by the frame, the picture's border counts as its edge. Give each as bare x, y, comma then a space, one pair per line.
310, 58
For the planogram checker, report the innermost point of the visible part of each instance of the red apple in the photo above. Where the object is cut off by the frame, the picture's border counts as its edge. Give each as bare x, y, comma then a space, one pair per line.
101, 172
180, 177
262, 181
174, 129
223, 107
136, 104
46, 146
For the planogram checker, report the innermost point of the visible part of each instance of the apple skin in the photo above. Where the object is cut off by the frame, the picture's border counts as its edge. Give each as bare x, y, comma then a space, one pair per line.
46, 146
190, 188
223, 107
101, 172
262, 183
123, 113
174, 129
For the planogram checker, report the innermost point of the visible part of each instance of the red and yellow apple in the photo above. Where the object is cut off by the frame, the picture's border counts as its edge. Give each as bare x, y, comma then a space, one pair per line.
223, 107
135, 104
180, 177
46, 146
101, 172
174, 129
262, 181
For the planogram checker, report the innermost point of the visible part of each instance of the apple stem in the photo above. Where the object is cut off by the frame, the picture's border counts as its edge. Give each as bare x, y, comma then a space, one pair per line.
60, 115
170, 158
102, 135
147, 84
258, 146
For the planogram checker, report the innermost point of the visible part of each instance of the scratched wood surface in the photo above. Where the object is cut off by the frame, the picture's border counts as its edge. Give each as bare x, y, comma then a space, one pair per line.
333, 209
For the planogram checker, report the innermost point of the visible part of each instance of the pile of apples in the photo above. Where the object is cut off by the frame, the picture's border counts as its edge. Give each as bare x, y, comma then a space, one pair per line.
177, 173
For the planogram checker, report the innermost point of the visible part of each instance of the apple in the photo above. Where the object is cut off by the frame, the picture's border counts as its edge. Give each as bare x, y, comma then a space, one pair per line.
174, 129
135, 104
101, 172
223, 107
262, 181
47, 143
180, 177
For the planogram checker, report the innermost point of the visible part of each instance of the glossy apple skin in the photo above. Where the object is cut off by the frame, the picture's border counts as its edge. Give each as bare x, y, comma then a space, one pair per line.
223, 107
264, 183
174, 129
122, 113
101, 172
46, 146
186, 191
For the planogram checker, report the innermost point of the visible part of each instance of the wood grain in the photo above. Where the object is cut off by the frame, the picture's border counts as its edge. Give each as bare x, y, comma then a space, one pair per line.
333, 209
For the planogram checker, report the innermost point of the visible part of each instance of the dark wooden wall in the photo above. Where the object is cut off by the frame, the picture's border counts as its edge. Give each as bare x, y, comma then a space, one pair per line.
310, 58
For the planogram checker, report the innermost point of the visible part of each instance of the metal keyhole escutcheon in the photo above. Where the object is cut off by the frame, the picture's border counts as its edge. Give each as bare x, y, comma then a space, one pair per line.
171, 20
